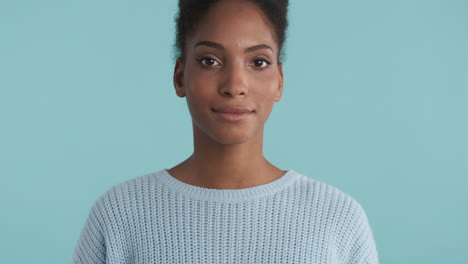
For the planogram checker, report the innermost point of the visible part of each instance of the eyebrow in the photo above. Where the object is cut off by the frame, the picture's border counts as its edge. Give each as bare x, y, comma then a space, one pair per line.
221, 47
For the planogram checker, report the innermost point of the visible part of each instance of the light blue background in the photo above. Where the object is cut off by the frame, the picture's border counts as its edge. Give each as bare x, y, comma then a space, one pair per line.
375, 103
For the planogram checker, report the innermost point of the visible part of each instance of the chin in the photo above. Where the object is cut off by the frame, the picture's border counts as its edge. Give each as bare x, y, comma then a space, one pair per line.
231, 138
226, 135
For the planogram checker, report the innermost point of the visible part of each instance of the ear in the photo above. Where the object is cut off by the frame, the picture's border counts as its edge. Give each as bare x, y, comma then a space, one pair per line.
178, 78
280, 83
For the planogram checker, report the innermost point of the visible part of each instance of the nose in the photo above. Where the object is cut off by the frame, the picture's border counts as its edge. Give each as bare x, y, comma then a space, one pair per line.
234, 82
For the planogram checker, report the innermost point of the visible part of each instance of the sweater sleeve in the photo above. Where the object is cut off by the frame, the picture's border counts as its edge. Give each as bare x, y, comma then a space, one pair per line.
361, 246
91, 245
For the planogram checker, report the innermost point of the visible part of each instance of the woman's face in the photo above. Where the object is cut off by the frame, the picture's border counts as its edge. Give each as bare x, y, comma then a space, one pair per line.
230, 76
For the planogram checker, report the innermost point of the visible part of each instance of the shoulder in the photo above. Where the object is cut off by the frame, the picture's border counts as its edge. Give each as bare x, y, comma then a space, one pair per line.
344, 217
127, 193
339, 212
329, 196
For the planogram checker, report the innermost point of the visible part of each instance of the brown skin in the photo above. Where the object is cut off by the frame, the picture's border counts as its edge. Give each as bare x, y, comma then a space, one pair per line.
229, 155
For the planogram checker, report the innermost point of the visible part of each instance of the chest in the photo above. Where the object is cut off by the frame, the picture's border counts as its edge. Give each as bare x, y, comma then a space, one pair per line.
201, 233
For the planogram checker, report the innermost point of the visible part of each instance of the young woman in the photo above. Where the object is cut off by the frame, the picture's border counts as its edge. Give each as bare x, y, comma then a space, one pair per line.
226, 203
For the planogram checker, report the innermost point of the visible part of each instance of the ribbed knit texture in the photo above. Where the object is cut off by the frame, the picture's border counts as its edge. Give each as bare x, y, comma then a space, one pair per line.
156, 218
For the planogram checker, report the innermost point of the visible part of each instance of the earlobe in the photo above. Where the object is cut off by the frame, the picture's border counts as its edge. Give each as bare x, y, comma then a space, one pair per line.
179, 78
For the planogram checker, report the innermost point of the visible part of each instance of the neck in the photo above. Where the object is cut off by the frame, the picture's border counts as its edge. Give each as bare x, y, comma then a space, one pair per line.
226, 166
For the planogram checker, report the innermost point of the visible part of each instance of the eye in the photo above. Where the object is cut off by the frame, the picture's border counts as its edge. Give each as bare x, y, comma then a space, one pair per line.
208, 62
260, 63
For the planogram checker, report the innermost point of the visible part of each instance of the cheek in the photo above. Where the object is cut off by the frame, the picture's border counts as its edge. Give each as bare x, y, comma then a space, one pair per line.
198, 88
196, 102
200, 81
266, 89
265, 102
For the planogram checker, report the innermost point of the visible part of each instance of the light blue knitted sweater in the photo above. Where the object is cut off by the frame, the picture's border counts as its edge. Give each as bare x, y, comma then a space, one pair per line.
156, 218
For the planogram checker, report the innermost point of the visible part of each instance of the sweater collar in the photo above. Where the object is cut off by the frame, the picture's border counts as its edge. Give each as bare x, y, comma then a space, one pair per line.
227, 195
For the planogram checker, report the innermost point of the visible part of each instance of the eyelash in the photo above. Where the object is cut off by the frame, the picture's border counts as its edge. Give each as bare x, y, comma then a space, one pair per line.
203, 59
268, 63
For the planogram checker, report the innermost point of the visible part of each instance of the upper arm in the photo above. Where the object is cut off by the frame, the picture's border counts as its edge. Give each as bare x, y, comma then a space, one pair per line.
361, 244
91, 245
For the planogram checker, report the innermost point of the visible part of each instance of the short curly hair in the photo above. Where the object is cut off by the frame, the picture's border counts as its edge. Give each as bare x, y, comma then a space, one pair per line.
191, 11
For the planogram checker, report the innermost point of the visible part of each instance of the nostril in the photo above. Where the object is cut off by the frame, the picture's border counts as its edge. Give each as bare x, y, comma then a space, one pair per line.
233, 91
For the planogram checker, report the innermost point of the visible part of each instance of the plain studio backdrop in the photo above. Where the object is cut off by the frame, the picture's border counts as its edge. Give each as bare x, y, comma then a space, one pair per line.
375, 103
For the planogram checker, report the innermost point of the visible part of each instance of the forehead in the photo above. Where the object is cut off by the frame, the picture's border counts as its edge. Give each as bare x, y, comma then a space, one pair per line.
234, 24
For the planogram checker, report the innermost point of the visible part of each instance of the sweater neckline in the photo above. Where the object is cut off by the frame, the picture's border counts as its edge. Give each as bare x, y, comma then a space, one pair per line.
227, 195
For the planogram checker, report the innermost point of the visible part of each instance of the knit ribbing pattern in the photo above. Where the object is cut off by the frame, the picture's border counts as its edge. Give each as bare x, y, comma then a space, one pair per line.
156, 218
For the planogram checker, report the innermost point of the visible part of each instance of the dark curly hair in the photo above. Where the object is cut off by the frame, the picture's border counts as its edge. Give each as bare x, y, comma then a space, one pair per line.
191, 11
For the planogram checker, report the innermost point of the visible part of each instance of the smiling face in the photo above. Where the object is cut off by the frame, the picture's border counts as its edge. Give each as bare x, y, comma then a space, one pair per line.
230, 76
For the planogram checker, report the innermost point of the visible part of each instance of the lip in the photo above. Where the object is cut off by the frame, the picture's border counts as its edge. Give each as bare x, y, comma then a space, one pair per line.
233, 113
233, 110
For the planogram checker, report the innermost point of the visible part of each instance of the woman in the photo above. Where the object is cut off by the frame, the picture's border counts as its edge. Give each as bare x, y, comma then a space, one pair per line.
226, 203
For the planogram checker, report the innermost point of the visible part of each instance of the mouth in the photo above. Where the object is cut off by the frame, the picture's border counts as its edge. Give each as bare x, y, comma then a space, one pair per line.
233, 110
233, 114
